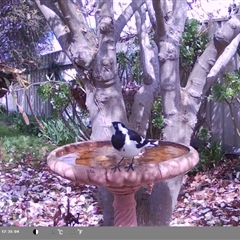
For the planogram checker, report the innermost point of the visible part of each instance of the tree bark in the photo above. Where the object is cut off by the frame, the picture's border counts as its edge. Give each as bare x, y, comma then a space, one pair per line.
144, 98
126, 16
104, 99
224, 59
170, 25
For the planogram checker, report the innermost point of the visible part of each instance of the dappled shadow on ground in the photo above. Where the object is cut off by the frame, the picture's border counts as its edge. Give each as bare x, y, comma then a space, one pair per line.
211, 198
30, 195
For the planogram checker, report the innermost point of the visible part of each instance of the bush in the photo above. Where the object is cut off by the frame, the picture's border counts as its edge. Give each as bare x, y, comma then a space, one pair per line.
8, 118
210, 151
31, 129
19, 148
16, 120
56, 132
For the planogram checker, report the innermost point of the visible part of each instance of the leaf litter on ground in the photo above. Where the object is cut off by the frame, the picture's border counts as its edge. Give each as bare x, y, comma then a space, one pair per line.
31, 195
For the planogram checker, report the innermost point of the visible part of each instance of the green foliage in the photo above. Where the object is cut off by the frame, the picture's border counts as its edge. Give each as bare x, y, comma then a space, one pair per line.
130, 62
8, 118
210, 151
64, 107
2, 109
17, 122
156, 121
204, 135
56, 132
228, 92
20, 145
16, 146
229, 89
58, 93
24, 32
122, 60
137, 74
31, 129
7, 131
157, 114
194, 42
210, 155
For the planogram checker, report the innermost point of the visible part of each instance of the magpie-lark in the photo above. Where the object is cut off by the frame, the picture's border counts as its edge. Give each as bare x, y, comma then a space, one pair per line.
128, 143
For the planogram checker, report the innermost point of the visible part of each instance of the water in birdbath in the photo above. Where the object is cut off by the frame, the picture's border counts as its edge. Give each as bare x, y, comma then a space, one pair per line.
102, 154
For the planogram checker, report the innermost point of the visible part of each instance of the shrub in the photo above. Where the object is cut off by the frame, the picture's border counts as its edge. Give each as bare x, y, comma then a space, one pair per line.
210, 151
56, 132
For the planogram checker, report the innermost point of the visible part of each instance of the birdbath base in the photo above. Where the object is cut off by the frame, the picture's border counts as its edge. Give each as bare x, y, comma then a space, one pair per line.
124, 205
91, 163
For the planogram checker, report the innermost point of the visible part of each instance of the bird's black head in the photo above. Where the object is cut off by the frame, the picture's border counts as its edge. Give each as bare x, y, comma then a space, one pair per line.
118, 125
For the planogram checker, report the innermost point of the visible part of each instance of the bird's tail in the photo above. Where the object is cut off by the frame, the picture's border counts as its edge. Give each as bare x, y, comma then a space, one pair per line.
152, 143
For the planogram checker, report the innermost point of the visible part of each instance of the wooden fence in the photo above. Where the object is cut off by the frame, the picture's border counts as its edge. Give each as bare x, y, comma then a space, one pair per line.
217, 114
41, 75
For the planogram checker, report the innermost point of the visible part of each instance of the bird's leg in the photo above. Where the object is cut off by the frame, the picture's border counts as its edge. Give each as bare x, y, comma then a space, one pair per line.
130, 165
117, 166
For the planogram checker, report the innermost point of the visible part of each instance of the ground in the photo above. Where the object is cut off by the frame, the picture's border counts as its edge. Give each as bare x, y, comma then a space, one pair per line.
211, 198
30, 196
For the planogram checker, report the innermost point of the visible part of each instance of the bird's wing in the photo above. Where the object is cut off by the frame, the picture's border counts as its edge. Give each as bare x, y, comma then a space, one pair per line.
134, 136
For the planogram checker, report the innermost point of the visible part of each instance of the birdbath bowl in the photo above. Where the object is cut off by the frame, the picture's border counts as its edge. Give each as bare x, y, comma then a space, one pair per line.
91, 162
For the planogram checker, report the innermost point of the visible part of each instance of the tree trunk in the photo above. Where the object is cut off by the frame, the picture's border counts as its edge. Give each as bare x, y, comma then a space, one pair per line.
156, 209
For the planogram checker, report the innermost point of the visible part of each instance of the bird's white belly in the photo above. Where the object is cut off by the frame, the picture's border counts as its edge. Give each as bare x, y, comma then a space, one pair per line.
129, 150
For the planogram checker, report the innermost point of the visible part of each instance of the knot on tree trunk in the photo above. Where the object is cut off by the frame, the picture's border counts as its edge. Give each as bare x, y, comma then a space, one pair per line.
101, 96
224, 36
82, 56
106, 25
167, 52
104, 72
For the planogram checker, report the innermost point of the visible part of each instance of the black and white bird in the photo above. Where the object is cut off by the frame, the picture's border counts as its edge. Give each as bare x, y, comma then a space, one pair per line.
128, 143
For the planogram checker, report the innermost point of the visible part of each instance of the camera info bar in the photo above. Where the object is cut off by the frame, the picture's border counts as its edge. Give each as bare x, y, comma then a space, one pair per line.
119, 233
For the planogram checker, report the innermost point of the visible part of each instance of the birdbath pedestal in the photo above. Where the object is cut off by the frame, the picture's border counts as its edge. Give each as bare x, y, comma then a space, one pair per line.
91, 162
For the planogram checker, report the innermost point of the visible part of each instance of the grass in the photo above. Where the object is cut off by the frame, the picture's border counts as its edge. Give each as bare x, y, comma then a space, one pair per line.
17, 147
7, 131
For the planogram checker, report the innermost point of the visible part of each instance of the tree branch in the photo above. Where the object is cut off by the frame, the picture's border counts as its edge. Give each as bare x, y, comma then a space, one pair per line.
197, 83
151, 13
104, 96
125, 17
75, 37
179, 15
168, 37
144, 98
73, 18
223, 60
83, 46
160, 22
56, 23
105, 61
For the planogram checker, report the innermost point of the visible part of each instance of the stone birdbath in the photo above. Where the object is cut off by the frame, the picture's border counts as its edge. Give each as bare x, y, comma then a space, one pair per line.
91, 162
